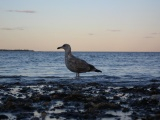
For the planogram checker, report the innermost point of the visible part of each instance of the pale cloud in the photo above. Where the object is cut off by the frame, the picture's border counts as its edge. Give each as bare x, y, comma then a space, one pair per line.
22, 11
114, 30
8, 28
155, 33
90, 34
149, 37
152, 35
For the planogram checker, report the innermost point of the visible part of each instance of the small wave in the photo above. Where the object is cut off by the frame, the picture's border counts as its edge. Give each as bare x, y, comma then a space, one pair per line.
12, 76
10, 79
20, 76
50, 77
106, 77
112, 77
128, 76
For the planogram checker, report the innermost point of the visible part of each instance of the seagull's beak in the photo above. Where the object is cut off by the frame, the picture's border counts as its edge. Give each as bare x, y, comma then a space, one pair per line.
60, 47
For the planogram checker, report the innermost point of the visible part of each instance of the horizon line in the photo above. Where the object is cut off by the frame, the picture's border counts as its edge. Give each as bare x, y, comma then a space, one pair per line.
63, 51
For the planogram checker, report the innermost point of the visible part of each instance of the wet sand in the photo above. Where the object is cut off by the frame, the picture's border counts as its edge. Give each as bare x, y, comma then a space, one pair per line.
60, 100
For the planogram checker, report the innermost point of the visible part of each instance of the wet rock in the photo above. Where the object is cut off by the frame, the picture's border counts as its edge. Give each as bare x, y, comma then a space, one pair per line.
2, 117
125, 110
96, 99
71, 115
154, 90
144, 102
2, 86
93, 84
75, 97
27, 107
135, 89
22, 116
39, 97
35, 118
43, 114
156, 97
24, 89
12, 103
116, 98
134, 116
155, 80
45, 98
110, 116
35, 97
58, 107
58, 95
91, 107
40, 109
9, 103
17, 83
88, 105
106, 105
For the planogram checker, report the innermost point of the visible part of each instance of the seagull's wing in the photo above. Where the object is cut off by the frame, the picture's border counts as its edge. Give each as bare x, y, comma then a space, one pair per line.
78, 65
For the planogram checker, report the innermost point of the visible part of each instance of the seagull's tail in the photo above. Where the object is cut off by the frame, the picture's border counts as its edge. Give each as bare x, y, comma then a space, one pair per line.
92, 68
98, 70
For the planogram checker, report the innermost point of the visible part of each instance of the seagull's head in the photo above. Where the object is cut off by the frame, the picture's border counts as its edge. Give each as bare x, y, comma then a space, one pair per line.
65, 47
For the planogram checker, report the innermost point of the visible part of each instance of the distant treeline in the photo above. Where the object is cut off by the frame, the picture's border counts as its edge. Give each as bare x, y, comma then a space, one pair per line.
16, 50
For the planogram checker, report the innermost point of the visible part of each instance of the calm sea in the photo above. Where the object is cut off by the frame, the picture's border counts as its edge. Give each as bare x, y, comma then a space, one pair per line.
116, 67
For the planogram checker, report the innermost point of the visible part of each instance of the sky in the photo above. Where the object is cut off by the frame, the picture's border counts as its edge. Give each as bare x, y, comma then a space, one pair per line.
87, 25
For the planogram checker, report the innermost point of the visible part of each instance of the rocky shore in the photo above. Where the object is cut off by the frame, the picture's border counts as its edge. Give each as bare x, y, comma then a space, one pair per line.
56, 100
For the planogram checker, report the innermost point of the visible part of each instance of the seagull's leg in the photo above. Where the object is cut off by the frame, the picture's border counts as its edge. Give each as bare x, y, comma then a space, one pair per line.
77, 75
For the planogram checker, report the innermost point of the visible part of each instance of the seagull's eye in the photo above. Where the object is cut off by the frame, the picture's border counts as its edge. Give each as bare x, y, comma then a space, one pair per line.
64, 45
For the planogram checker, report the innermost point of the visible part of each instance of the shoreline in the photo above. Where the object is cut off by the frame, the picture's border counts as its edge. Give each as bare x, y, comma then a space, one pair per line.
58, 100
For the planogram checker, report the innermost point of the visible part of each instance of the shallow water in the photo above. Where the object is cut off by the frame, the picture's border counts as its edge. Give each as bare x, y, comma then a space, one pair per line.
116, 67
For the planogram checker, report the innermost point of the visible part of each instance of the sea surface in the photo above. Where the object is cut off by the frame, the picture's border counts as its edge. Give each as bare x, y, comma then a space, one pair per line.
117, 67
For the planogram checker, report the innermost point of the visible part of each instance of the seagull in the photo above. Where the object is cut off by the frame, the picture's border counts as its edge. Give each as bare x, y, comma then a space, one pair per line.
75, 64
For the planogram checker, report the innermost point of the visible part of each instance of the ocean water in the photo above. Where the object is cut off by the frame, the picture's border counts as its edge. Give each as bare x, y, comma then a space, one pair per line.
116, 67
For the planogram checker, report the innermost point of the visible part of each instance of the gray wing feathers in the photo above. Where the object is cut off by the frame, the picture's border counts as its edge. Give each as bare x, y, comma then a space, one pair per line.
78, 65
